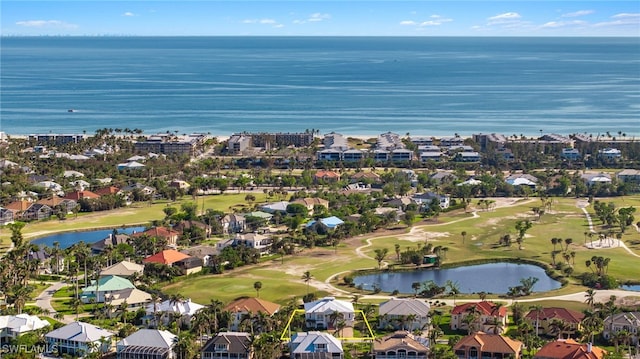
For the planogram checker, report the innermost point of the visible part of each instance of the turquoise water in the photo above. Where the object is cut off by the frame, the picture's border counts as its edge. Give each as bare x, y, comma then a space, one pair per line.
354, 85
491, 278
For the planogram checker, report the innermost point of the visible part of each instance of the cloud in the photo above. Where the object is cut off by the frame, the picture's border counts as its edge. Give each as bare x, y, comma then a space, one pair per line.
622, 19
265, 21
505, 16
578, 13
315, 17
437, 21
626, 16
55, 24
558, 24
407, 22
268, 21
128, 13
507, 19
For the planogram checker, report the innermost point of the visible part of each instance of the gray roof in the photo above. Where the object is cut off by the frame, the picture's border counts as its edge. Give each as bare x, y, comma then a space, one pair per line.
237, 342
22, 323
306, 342
79, 332
404, 306
149, 338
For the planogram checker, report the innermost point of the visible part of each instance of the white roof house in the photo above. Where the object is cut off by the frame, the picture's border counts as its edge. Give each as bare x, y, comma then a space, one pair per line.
68, 174
319, 314
315, 345
166, 310
593, 178
130, 165
79, 338
149, 342
12, 326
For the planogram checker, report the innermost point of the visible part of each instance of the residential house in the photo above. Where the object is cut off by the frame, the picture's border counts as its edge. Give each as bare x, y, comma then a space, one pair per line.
435, 156
234, 223
425, 199
147, 343
591, 179
186, 225
6, 216
609, 154
326, 176
329, 223
72, 174
320, 313
124, 269
228, 345
569, 349
629, 176
106, 191
365, 177
570, 154
204, 252
256, 241
112, 240
133, 298
78, 195
443, 177
17, 208
166, 257
481, 345
165, 233
352, 155
272, 208
315, 345
168, 309
240, 308
37, 212
522, 179
311, 202
627, 321
544, 318
67, 205
400, 345
79, 338
179, 184
103, 287
133, 165
404, 314
189, 265
13, 326
490, 316
145, 190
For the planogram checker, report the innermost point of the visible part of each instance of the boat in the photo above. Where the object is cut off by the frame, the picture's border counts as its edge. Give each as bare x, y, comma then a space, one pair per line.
71, 110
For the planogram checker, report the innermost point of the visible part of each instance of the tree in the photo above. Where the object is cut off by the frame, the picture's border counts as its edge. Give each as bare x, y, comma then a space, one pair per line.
307, 277
381, 254
257, 286
454, 289
538, 309
590, 295
416, 287
464, 235
522, 227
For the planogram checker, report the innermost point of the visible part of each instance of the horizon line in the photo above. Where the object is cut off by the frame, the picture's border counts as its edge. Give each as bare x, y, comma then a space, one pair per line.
308, 36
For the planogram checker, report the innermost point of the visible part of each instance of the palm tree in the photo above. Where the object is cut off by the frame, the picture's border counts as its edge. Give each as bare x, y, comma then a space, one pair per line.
538, 309
381, 253
590, 295
257, 286
307, 277
454, 289
464, 235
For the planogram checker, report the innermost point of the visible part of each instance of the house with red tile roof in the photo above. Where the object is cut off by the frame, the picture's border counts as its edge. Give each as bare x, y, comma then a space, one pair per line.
18, 208
55, 201
543, 320
167, 257
168, 234
400, 344
240, 308
490, 317
569, 349
107, 190
488, 346
326, 176
78, 195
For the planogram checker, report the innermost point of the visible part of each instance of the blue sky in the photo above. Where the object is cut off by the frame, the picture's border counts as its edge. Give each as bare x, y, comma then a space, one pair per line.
322, 18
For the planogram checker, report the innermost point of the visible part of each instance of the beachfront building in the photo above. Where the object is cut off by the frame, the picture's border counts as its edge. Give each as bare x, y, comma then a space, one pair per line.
400, 345
238, 143
56, 138
404, 314
570, 154
78, 339
169, 144
609, 154
315, 345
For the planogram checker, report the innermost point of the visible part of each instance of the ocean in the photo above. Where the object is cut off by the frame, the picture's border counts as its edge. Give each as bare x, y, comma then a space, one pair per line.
436, 86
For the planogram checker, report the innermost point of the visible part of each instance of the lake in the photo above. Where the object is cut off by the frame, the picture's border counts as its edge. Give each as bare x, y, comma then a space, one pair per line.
633, 287
491, 278
67, 239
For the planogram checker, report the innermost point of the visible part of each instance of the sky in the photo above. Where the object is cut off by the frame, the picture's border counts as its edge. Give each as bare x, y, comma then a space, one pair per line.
320, 18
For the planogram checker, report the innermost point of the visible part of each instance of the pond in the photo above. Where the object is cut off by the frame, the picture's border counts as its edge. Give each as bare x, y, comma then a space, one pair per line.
633, 287
67, 239
491, 278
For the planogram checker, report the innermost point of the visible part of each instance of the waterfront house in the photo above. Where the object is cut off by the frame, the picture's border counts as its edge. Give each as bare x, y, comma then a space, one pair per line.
400, 345
147, 343
404, 314
101, 288
569, 349
165, 233
544, 318
64, 204
13, 326
246, 307
488, 346
320, 313
228, 345
315, 345
112, 240
124, 269
490, 317
625, 321
78, 339
37, 211
187, 225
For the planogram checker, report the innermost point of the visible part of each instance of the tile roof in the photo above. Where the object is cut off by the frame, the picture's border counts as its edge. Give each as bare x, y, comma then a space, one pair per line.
490, 343
566, 315
404, 306
252, 305
327, 174
53, 201
77, 195
569, 349
123, 268
399, 340
159, 232
79, 332
484, 307
107, 190
168, 256
18, 206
